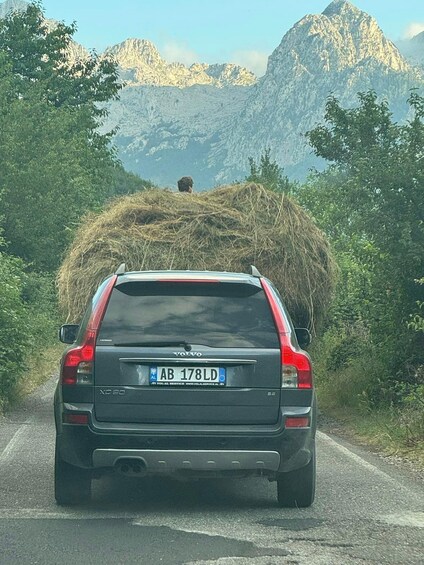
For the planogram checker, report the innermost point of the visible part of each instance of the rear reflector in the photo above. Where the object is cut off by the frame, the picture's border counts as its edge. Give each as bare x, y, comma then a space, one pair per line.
75, 418
297, 422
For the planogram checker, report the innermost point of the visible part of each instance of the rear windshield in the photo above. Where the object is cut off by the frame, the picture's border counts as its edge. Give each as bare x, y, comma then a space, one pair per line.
212, 314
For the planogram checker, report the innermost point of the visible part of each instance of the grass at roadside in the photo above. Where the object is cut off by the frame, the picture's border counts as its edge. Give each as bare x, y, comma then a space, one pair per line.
360, 399
41, 366
389, 431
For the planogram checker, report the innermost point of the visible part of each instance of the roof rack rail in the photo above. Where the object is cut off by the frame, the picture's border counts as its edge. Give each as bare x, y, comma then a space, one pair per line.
254, 271
121, 269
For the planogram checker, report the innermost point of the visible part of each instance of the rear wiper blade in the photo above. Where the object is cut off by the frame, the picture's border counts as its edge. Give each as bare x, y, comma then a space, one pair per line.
184, 344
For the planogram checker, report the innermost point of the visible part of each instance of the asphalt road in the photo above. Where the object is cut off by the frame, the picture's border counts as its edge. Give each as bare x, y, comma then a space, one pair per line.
366, 511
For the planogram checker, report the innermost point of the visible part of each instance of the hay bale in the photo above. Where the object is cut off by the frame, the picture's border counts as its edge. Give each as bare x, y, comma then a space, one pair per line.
226, 229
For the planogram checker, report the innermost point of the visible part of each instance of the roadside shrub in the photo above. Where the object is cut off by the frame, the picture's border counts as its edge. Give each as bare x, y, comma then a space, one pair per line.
39, 294
409, 410
349, 370
417, 321
14, 327
28, 322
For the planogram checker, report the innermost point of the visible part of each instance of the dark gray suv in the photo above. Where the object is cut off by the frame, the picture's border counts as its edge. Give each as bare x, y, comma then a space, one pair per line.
189, 374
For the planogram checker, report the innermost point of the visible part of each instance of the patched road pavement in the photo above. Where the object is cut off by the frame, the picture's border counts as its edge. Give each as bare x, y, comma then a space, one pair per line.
366, 511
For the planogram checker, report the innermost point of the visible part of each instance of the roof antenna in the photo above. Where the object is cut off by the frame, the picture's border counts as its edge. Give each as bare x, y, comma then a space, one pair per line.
254, 271
121, 269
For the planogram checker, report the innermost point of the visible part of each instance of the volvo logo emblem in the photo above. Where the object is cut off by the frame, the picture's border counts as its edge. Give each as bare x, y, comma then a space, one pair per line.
188, 353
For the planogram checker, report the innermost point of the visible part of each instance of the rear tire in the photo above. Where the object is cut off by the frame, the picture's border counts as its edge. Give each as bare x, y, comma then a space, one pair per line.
296, 489
72, 485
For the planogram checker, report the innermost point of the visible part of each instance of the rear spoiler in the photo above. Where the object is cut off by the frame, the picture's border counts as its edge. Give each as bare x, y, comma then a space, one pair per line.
121, 270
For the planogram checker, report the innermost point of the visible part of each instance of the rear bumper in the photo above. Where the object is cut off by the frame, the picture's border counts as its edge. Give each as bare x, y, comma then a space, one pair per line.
260, 449
169, 461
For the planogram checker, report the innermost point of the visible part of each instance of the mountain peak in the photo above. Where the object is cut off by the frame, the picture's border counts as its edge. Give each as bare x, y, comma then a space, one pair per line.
139, 44
341, 8
341, 39
133, 53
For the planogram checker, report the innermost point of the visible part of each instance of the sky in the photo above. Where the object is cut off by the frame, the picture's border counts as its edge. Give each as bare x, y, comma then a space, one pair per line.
215, 31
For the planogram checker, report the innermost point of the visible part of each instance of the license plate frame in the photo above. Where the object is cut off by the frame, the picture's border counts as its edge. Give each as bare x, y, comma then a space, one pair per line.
191, 376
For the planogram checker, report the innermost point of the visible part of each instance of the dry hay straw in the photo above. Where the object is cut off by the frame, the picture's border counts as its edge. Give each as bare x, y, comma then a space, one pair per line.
226, 229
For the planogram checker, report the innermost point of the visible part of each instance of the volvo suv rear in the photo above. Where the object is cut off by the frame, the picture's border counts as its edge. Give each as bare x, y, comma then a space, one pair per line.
188, 374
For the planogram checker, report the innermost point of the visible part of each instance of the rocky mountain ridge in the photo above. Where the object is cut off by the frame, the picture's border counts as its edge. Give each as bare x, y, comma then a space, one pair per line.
141, 64
207, 120
165, 133
341, 52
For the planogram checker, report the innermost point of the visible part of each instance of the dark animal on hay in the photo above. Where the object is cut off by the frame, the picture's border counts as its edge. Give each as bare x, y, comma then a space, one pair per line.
185, 184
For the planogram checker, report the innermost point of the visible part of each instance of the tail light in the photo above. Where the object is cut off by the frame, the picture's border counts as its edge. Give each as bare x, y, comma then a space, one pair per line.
76, 418
78, 362
297, 422
296, 368
77, 366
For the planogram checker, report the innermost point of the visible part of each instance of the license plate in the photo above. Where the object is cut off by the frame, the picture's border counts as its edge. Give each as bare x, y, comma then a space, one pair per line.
186, 376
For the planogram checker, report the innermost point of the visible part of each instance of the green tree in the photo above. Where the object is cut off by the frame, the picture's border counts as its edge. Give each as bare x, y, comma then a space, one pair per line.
268, 173
54, 165
370, 200
14, 327
38, 57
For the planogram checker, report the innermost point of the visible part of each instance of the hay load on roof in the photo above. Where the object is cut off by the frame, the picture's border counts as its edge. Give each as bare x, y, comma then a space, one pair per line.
226, 229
